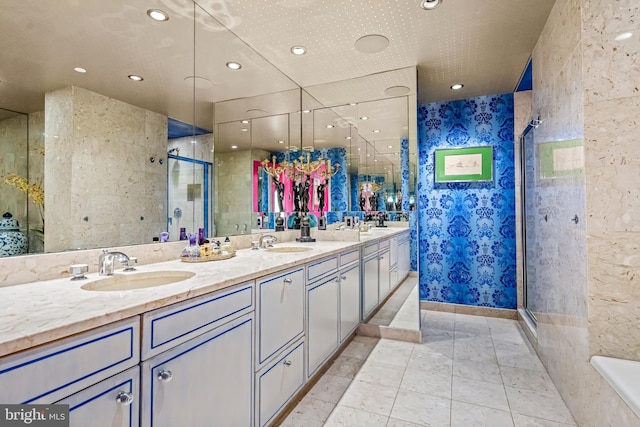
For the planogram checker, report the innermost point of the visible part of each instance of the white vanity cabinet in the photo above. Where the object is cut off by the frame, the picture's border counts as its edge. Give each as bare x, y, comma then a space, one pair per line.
206, 381
394, 274
370, 276
198, 362
349, 280
280, 312
278, 382
55, 371
384, 270
323, 321
114, 402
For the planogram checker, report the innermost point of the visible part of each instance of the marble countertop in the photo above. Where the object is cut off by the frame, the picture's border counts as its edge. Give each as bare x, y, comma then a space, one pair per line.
41, 312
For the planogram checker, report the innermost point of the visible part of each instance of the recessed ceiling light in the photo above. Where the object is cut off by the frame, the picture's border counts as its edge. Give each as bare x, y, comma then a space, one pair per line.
389, 146
347, 137
364, 118
329, 126
306, 111
624, 36
298, 50
372, 43
244, 129
245, 121
376, 131
234, 146
353, 103
457, 86
281, 142
135, 78
234, 65
158, 15
80, 70
430, 4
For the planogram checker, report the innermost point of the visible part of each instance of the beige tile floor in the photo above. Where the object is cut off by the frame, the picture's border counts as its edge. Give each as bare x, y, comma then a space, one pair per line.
469, 371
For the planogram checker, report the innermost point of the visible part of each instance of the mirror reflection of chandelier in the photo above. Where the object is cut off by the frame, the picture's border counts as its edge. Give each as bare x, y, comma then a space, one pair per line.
370, 185
275, 170
300, 168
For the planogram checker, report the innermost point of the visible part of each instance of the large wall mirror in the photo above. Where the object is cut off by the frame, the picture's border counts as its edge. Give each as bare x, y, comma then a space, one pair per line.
118, 160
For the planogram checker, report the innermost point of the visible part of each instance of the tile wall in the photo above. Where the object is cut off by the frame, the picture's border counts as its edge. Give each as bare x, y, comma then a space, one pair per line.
585, 297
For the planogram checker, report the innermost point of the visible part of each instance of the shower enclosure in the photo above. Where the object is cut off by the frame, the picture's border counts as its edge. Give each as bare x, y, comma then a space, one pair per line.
188, 196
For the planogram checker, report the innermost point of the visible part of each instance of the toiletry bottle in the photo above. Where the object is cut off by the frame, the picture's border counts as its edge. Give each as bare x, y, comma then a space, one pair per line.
226, 247
183, 233
201, 236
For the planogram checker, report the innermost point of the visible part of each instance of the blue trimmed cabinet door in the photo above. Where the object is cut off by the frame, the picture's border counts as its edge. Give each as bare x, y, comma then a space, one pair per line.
204, 382
322, 322
113, 402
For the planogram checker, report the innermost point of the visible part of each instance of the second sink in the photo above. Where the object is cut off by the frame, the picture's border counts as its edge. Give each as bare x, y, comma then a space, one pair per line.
131, 281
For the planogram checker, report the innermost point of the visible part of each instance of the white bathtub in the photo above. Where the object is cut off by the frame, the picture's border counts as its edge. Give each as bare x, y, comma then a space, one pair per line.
624, 376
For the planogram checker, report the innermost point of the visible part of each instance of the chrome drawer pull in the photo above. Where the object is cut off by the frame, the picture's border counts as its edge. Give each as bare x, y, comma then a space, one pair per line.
124, 398
287, 362
288, 281
165, 376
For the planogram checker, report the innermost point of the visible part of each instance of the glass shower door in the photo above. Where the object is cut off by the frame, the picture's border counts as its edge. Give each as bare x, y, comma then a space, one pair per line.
188, 196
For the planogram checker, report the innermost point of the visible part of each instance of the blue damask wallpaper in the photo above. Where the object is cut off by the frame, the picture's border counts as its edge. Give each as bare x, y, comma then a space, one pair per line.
467, 245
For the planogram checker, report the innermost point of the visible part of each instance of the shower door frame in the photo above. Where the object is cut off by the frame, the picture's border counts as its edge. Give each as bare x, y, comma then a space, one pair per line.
207, 173
523, 206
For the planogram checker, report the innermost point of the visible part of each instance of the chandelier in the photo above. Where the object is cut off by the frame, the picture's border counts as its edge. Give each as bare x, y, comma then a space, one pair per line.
275, 170
371, 186
300, 168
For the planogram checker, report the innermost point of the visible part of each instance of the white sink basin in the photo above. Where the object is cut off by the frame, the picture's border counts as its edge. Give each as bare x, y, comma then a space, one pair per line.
289, 249
130, 281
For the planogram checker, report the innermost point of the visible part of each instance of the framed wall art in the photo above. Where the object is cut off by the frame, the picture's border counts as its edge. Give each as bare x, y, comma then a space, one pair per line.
464, 164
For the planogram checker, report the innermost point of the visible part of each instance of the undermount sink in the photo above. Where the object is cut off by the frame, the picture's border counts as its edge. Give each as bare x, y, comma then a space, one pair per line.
288, 249
130, 281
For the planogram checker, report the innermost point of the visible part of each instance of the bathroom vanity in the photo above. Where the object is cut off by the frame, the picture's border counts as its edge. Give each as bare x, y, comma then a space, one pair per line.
231, 345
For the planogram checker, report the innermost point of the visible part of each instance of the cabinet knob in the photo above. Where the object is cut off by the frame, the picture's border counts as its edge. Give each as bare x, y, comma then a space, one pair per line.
124, 398
288, 281
381, 257
343, 277
287, 363
165, 376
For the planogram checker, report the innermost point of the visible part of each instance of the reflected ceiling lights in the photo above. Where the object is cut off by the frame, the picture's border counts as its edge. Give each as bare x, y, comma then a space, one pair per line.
364, 118
298, 50
244, 129
245, 121
329, 126
234, 146
306, 111
135, 78
234, 65
430, 4
376, 131
457, 86
373, 43
158, 15
347, 137
281, 142
80, 70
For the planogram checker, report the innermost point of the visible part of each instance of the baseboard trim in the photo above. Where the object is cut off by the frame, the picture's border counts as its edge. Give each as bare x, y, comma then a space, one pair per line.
472, 310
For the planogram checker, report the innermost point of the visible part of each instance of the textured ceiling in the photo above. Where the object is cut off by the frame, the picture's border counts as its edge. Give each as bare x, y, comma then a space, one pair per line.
484, 44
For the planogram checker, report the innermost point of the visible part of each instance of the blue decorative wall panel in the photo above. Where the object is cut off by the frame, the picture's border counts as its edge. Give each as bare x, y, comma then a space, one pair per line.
404, 170
466, 241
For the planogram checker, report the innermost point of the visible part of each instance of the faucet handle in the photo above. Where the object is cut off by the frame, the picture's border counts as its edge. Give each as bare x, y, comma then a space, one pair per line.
130, 264
79, 271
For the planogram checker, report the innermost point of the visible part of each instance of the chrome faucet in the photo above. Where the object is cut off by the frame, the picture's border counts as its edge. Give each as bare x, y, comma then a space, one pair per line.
107, 260
266, 240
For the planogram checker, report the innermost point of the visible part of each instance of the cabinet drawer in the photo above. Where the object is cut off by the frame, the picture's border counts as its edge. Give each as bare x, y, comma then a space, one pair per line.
69, 365
370, 249
280, 312
169, 326
277, 383
347, 258
321, 268
99, 405
383, 244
